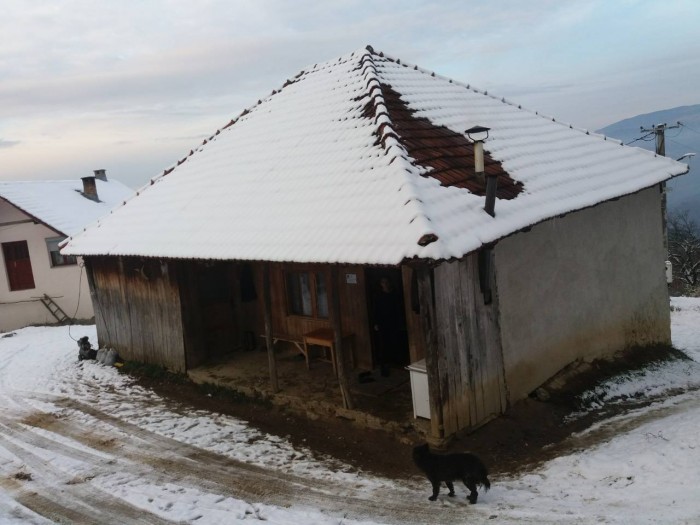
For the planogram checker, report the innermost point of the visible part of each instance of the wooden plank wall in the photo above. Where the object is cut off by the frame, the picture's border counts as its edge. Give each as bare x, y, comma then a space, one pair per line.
353, 299
139, 309
416, 335
151, 311
470, 361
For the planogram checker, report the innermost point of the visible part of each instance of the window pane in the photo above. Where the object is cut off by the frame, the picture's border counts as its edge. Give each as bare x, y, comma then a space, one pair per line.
293, 294
56, 258
305, 284
321, 296
299, 293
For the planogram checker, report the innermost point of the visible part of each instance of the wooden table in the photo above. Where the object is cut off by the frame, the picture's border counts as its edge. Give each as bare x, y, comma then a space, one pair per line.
325, 337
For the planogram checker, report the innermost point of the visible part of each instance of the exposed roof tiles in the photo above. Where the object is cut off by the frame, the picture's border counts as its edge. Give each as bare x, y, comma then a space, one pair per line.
358, 160
448, 153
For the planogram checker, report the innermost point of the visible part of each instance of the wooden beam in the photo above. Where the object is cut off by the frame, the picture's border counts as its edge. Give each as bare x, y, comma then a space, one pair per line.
267, 300
429, 322
12, 223
338, 344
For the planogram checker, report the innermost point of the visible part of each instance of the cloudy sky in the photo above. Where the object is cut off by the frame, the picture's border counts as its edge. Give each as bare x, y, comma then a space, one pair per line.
132, 85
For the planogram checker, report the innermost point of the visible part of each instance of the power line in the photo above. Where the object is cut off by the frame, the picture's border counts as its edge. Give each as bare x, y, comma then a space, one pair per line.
660, 135
691, 129
680, 143
643, 137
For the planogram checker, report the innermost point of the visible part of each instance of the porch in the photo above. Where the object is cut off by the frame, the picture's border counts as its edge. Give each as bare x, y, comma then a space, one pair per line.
381, 403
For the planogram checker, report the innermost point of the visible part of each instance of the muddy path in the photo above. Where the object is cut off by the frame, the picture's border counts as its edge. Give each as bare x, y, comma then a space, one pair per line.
98, 444
102, 445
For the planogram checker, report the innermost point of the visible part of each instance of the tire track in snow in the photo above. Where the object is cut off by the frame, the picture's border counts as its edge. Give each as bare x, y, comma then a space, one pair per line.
188, 465
53, 496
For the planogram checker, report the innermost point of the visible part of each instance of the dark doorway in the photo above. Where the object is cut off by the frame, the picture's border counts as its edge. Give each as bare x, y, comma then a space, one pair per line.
387, 317
215, 299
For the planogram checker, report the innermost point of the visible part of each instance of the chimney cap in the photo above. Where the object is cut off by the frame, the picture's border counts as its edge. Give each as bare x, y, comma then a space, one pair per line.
100, 174
475, 133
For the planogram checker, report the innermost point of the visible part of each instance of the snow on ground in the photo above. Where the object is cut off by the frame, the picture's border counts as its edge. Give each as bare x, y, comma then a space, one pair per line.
646, 470
661, 378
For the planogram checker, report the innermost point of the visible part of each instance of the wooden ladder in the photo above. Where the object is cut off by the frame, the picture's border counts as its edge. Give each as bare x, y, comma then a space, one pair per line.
55, 310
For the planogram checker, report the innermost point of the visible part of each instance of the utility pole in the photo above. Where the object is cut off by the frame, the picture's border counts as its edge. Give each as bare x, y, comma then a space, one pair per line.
660, 133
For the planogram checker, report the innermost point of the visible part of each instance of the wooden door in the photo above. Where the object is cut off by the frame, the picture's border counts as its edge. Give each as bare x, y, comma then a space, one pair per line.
18, 264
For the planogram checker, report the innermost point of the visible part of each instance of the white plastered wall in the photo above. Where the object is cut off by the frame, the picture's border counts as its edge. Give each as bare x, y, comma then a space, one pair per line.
21, 308
581, 287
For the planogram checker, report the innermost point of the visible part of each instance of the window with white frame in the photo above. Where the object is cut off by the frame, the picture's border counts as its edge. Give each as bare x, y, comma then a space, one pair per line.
55, 255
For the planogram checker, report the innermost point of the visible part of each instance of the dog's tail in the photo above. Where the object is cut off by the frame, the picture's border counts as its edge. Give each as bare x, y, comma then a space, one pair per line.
484, 478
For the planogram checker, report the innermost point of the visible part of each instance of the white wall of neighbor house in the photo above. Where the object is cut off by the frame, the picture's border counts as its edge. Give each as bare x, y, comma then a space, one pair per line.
21, 307
582, 286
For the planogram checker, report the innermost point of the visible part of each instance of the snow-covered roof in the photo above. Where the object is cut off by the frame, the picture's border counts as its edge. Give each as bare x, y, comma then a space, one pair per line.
361, 160
60, 205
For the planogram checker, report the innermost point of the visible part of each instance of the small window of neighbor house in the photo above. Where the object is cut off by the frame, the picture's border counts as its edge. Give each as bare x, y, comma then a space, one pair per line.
18, 265
306, 294
55, 255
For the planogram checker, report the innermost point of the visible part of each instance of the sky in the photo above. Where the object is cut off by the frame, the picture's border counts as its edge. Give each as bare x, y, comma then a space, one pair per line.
131, 86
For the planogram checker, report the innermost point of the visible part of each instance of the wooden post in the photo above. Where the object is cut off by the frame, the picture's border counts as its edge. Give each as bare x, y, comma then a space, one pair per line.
427, 315
267, 301
338, 335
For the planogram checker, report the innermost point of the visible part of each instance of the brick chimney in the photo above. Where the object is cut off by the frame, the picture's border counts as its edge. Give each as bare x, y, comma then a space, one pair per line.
89, 188
101, 174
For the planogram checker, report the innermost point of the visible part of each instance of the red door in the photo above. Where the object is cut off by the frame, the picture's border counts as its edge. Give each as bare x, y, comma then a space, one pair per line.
19, 267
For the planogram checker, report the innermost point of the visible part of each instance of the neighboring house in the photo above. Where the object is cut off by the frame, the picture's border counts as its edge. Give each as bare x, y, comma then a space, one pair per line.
38, 285
359, 169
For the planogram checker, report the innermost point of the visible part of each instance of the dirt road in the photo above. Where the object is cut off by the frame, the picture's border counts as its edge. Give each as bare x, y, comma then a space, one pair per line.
107, 445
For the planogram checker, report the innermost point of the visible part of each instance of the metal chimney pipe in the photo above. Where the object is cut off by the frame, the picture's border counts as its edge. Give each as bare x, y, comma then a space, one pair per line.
491, 187
89, 188
101, 174
478, 134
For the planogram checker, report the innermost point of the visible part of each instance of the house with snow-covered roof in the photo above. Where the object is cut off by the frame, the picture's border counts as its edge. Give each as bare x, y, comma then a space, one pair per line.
39, 285
509, 257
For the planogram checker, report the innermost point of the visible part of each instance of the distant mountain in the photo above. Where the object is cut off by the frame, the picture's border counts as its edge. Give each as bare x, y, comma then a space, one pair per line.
684, 191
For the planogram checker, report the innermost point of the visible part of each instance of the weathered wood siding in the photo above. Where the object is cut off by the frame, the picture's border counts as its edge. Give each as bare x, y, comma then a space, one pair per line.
416, 335
470, 365
137, 309
167, 312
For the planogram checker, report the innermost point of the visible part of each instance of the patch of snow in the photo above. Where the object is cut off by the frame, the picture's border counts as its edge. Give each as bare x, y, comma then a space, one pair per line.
647, 471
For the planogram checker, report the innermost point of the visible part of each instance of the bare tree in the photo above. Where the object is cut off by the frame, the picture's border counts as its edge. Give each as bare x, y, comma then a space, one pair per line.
684, 251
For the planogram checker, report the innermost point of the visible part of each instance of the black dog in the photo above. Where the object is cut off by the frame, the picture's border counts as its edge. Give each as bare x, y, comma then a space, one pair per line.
451, 467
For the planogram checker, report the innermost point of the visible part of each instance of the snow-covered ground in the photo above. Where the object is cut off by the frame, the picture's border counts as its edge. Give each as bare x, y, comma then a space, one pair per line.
81, 443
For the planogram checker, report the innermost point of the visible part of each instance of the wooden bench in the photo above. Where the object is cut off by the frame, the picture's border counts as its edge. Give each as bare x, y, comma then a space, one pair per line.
297, 341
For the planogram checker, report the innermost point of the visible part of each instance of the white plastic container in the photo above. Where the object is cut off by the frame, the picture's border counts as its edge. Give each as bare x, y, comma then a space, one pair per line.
419, 389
